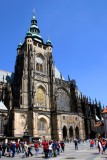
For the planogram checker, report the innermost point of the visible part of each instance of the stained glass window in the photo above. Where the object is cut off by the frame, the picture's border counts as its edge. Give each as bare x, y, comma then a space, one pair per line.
63, 100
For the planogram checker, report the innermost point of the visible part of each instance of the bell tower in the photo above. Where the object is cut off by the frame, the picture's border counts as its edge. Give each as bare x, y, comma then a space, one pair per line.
34, 76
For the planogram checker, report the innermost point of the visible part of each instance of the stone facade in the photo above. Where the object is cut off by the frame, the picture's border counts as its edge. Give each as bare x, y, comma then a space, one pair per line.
42, 103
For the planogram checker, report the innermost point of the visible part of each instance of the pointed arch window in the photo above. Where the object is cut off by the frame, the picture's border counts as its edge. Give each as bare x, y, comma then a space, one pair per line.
41, 68
42, 126
37, 66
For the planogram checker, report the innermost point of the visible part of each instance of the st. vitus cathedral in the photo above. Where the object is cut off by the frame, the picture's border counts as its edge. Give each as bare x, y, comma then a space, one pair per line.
38, 100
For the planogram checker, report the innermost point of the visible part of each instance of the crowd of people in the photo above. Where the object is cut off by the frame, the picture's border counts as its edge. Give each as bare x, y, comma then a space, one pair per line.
101, 144
50, 148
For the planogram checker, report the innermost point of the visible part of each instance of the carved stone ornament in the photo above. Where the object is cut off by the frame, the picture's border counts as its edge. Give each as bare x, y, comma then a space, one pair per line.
23, 120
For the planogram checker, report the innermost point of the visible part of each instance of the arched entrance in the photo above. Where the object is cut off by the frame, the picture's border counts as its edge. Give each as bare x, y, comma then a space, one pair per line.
64, 132
71, 133
77, 132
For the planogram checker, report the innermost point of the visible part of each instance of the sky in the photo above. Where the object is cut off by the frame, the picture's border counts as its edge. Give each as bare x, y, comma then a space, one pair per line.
77, 30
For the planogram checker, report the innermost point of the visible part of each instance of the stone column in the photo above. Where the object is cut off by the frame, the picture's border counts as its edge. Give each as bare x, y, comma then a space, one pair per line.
14, 126
35, 125
74, 133
67, 132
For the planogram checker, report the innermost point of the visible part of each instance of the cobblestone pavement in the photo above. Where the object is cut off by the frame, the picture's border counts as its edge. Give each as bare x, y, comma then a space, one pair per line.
83, 153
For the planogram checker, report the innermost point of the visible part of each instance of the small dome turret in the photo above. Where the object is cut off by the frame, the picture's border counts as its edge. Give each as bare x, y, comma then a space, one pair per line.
19, 46
29, 34
48, 43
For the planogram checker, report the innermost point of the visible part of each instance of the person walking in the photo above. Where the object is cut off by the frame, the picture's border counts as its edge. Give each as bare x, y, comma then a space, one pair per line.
17, 147
26, 149
58, 148
29, 150
3, 148
76, 144
99, 146
62, 146
50, 149
103, 146
46, 148
36, 146
92, 143
13, 147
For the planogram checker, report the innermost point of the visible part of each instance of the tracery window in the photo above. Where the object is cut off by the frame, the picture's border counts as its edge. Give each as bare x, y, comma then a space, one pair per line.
41, 68
41, 98
39, 63
63, 100
37, 66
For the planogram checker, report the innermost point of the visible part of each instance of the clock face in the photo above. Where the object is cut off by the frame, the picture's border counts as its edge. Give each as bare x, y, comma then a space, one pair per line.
39, 60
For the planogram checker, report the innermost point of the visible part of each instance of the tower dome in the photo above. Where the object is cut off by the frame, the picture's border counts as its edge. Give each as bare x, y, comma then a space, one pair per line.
34, 29
28, 34
19, 46
48, 43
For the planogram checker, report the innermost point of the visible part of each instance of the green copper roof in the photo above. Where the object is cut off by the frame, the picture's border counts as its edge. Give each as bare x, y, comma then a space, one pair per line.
29, 34
48, 43
34, 26
34, 29
36, 35
20, 44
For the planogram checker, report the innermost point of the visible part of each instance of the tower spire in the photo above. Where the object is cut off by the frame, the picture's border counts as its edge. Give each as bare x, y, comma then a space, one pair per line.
34, 12
34, 31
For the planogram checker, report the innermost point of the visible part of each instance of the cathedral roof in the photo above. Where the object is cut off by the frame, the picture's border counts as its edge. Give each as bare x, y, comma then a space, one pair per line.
5, 76
58, 74
2, 106
97, 118
105, 110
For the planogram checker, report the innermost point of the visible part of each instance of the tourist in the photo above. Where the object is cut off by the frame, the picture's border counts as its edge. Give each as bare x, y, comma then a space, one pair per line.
99, 146
103, 145
50, 149
13, 148
76, 144
62, 146
26, 149
54, 147
46, 148
3, 148
17, 147
92, 142
29, 150
36, 146
58, 148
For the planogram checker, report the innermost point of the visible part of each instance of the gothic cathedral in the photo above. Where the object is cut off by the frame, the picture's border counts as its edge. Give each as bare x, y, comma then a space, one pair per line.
40, 102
